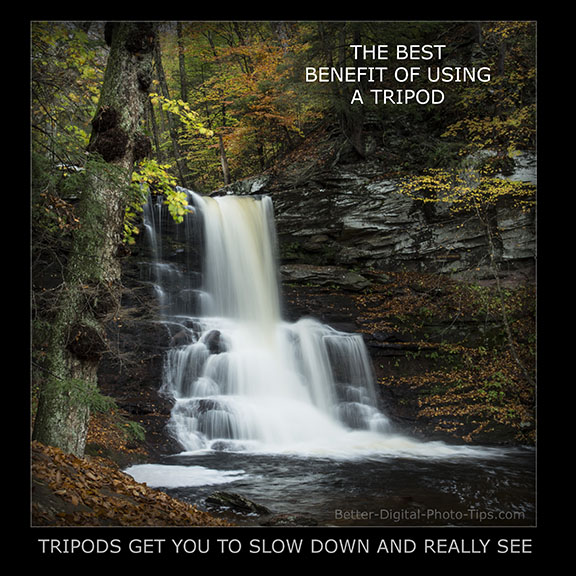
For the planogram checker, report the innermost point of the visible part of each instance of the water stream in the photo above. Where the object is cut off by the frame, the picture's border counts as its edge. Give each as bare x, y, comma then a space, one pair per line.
287, 413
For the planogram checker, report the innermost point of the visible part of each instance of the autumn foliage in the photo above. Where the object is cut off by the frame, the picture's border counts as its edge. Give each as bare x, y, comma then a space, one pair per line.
71, 491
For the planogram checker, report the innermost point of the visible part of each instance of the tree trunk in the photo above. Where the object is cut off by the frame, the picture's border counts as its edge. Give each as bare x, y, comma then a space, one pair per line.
224, 160
182, 63
351, 118
172, 128
90, 291
153, 127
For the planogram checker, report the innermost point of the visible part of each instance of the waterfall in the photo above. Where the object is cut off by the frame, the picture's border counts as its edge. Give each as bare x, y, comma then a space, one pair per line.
241, 377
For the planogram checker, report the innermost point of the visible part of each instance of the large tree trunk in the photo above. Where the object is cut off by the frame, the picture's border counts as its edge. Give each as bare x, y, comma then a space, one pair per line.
90, 291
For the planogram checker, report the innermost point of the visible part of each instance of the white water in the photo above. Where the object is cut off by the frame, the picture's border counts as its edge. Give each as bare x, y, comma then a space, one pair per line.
247, 380
155, 475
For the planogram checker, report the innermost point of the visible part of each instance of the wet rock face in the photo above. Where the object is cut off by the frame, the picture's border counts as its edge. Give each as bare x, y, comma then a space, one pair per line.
354, 217
323, 276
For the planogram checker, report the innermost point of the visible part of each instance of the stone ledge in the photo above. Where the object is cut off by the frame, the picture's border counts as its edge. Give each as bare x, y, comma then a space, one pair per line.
324, 276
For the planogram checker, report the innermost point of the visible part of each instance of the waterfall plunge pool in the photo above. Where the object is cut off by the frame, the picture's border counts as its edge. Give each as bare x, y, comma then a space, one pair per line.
484, 487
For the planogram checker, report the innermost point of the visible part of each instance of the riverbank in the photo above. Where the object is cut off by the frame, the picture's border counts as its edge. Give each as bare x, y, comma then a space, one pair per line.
93, 491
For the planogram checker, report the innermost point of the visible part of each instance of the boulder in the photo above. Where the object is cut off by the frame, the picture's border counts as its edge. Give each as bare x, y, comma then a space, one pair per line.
295, 519
235, 503
214, 342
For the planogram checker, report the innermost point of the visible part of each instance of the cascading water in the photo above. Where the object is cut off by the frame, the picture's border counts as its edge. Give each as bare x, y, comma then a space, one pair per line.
295, 396
244, 378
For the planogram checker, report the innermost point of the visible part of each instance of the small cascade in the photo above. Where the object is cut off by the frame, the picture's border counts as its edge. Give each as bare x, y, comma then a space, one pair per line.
173, 266
241, 377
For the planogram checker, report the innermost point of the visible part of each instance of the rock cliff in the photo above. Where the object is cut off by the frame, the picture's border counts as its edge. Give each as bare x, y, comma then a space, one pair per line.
354, 216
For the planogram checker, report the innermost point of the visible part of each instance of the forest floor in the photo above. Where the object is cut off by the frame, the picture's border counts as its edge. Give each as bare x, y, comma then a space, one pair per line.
94, 491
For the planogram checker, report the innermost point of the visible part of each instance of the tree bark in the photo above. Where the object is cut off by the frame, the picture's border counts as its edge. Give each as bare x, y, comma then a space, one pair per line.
182, 63
351, 119
172, 128
224, 160
91, 287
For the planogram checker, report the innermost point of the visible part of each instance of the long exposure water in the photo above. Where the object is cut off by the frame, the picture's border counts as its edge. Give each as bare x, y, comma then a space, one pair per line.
494, 490
287, 413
